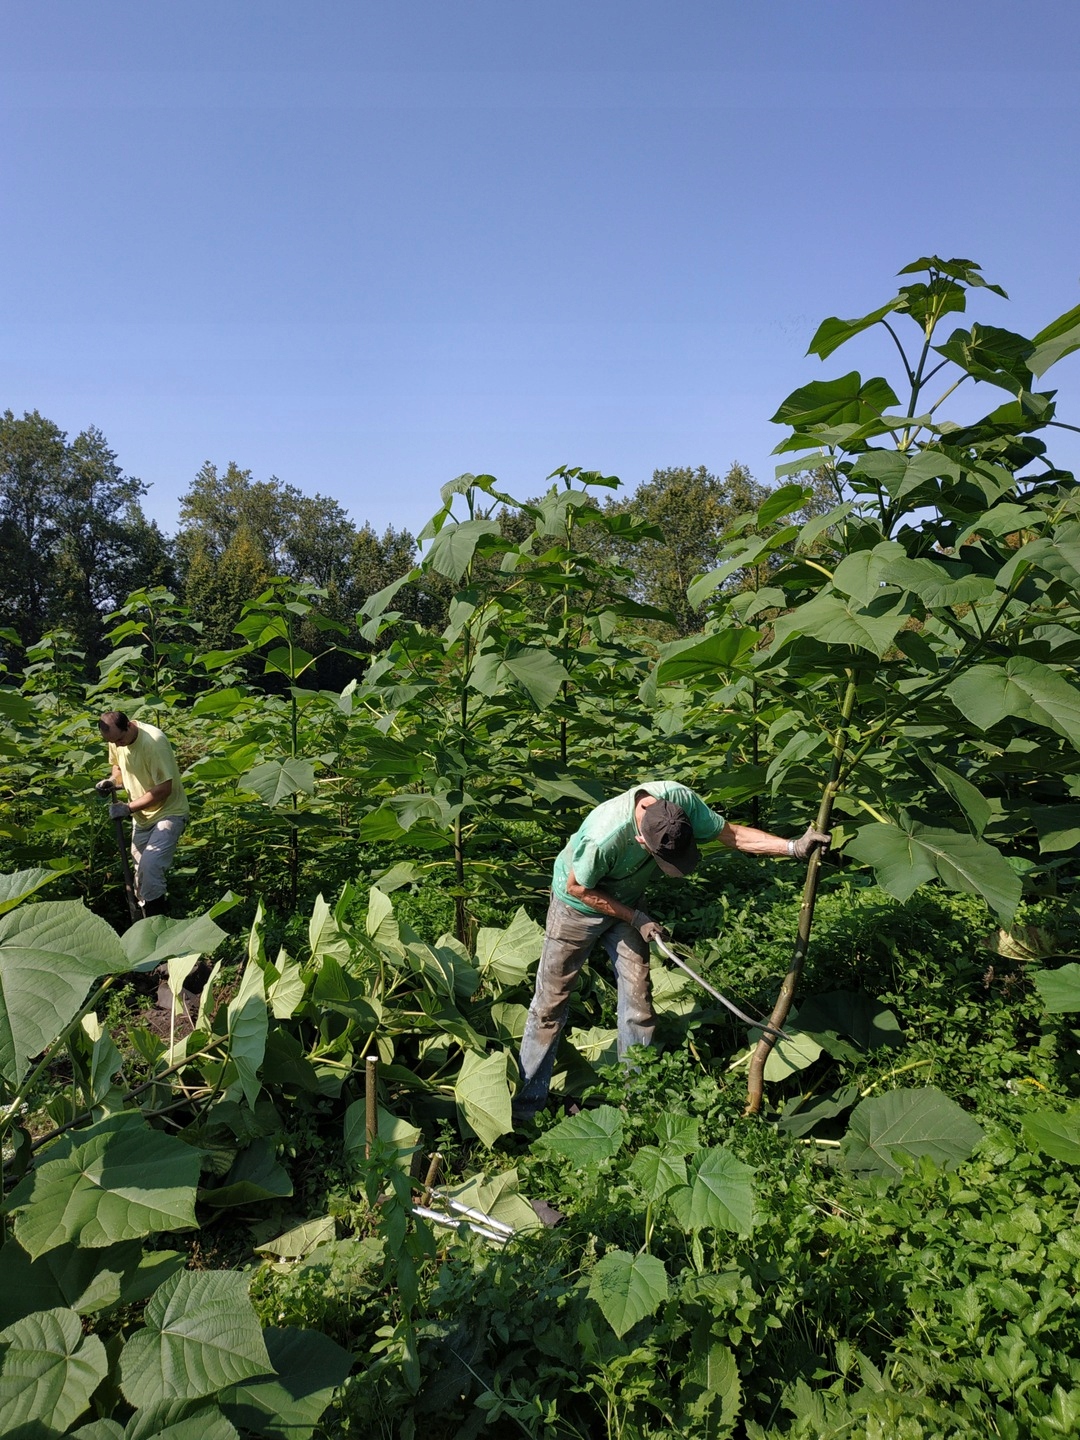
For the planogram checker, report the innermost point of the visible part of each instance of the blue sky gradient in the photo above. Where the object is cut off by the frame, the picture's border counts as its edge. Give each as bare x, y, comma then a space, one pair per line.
365, 247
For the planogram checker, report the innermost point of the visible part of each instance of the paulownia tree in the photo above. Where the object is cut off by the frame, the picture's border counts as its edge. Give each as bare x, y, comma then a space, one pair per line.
918, 642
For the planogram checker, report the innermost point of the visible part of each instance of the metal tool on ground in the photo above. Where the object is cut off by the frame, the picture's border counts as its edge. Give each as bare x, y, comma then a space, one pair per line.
486, 1226
107, 790
761, 1025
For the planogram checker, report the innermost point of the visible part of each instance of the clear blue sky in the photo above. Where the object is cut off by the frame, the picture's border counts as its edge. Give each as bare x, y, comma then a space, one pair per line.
367, 246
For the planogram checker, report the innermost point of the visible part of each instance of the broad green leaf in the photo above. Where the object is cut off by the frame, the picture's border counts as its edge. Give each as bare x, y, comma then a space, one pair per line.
853, 1013
586, 1138
970, 799
201, 1334
700, 588
50, 954
627, 1288
708, 657
392, 1130
286, 1405
249, 1024
100, 1430
496, 1196
48, 1371
805, 1111
939, 584
677, 1133
787, 1057
909, 1122
287, 991
324, 935
453, 548
846, 400
255, 1176
508, 955
720, 1194
482, 1093
655, 1173
1058, 339
862, 574
1058, 827
105, 1060
711, 1392
1023, 688
782, 502
1055, 1133
180, 1421
905, 859
379, 922
60, 1278
537, 672
151, 942
275, 780
15, 887
835, 621
114, 1181
1059, 989
301, 1240
598, 1044
834, 332
15, 707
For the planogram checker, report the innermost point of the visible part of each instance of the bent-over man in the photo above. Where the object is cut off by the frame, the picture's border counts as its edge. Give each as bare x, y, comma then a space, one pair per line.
144, 766
599, 877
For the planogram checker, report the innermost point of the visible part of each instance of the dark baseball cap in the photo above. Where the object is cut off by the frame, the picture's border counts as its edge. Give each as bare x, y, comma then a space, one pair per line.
669, 837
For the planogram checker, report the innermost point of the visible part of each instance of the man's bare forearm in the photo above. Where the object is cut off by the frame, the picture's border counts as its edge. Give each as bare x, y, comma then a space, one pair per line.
753, 842
600, 901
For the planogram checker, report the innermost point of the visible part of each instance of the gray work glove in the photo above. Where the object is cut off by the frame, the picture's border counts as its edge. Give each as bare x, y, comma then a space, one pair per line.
805, 845
119, 811
105, 787
648, 928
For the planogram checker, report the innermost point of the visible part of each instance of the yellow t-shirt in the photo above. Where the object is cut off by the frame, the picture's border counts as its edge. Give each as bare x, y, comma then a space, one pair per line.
146, 762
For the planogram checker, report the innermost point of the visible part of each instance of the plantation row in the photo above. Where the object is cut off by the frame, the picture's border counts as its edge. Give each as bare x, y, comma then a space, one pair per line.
884, 1243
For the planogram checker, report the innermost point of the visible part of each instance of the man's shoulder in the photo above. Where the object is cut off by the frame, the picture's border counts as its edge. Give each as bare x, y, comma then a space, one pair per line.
151, 732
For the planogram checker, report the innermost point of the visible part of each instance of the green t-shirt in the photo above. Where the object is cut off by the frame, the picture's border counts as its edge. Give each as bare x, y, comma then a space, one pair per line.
146, 762
604, 852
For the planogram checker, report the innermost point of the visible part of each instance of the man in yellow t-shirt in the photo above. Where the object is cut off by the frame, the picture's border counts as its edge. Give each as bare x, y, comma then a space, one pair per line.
143, 764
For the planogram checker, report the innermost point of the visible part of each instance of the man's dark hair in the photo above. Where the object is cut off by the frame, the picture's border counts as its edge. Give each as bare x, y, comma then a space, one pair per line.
116, 718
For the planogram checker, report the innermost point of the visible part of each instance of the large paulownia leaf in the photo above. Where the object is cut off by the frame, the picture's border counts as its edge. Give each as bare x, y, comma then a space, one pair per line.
115, 1181
805, 1111
255, 1175
482, 1092
1058, 827
508, 955
846, 400
834, 332
1055, 1133
16, 886
655, 1173
908, 1122
627, 1288
287, 1405
832, 620
1023, 688
392, 1130
48, 1371
851, 1013
275, 780
1059, 989
183, 1421
201, 1334
720, 1194
904, 859
249, 1024
711, 1392
1060, 338
74, 1278
453, 548
708, 657
586, 1138
50, 955
157, 939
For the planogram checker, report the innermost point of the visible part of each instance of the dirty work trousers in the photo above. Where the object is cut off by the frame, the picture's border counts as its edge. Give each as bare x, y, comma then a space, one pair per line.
568, 938
152, 850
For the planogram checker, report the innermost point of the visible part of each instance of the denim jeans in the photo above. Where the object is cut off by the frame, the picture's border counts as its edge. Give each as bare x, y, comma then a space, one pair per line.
568, 939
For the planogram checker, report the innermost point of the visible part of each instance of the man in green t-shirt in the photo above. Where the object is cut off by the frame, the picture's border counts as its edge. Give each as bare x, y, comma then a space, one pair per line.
600, 875
144, 766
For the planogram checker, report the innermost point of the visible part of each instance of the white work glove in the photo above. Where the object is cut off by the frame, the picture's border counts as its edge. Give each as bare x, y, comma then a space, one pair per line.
805, 845
648, 928
119, 811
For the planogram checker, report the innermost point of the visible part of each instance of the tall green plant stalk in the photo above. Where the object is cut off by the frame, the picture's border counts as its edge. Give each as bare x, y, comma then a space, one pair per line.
755, 1086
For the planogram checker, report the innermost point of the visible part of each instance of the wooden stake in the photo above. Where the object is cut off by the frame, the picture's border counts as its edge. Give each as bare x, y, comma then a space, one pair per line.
370, 1095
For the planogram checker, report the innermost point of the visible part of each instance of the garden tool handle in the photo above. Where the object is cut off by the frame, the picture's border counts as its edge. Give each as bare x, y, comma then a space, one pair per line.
756, 1024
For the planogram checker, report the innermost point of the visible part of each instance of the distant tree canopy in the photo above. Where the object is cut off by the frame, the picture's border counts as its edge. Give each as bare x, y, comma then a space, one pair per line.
74, 542
73, 537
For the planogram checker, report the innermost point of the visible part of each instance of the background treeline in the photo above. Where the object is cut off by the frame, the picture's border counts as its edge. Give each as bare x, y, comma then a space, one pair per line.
75, 541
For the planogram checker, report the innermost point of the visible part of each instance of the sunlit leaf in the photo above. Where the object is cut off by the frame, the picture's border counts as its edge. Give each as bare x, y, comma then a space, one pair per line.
627, 1288
48, 1371
908, 1122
